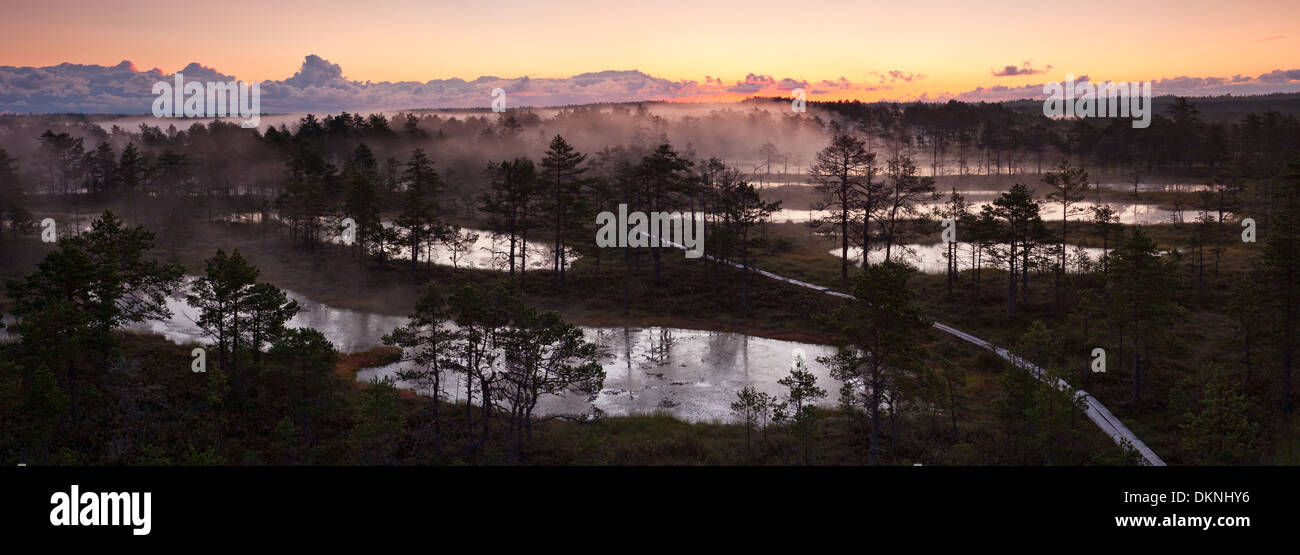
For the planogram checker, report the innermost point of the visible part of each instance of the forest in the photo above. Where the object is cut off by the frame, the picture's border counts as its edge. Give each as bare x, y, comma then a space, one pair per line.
106, 228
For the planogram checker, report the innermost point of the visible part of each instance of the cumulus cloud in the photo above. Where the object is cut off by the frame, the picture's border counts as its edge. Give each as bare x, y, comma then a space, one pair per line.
1024, 68
317, 72
1279, 76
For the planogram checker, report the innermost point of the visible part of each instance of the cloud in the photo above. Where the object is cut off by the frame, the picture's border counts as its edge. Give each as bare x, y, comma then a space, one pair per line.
1274, 37
753, 83
841, 83
1024, 68
789, 84
316, 72
320, 86
896, 75
1279, 76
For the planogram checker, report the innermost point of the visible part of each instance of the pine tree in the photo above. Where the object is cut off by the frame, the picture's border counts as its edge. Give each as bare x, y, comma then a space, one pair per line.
428, 343
509, 204
378, 426
421, 210
1069, 185
1142, 286
751, 407
562, 182
799, 407
879, 330
219, 295
361, 200
843, 175
665, 175
1280, 267
1220, 427
13, 207
902, 196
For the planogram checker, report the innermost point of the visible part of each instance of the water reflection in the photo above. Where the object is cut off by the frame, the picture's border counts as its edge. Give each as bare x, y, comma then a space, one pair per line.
691, 374
486, 250
932, 258
348, 330
1129, 213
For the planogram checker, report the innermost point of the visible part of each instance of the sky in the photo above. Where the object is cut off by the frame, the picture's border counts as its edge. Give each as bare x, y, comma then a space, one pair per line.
843, 49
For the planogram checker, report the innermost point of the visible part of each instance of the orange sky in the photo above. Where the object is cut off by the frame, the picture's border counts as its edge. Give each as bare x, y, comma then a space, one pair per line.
954, 44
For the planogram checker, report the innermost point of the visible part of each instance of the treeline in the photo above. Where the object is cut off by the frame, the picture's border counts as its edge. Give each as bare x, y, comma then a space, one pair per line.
961, 138
226, 166
953, 138
219, 158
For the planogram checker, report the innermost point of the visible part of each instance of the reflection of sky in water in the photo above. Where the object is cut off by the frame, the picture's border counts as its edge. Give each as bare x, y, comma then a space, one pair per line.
931, 259
1166, 187
802, 179
5, 336
690, 374
1129, 213
486, 252
349, 330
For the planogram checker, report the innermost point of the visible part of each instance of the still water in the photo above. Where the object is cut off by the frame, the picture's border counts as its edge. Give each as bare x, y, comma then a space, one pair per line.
932, 258
691, 374
1128, 213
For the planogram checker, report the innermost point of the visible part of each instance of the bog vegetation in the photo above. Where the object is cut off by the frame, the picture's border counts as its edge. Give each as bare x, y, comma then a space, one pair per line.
1198, 325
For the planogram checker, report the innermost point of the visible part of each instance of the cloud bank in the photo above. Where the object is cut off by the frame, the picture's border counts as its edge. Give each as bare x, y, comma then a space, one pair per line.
320, 86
